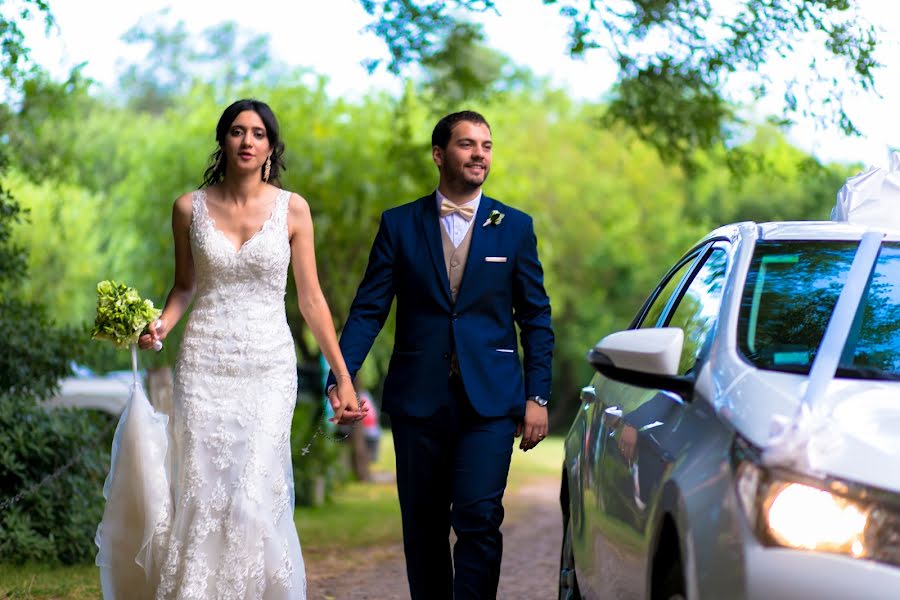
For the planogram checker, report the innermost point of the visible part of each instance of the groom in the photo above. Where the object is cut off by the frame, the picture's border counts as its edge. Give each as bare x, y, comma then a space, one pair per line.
464, 270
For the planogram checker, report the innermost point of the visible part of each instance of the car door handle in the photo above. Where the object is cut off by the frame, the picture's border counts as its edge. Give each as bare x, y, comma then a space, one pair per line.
588, 394
612, 416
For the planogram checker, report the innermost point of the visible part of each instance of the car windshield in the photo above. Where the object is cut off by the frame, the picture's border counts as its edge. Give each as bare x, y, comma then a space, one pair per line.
790, 292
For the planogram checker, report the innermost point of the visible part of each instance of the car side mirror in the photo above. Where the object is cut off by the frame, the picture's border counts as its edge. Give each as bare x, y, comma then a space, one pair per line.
646, 358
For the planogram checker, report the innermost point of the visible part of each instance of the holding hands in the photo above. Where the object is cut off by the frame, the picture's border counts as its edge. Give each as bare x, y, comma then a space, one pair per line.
347, 407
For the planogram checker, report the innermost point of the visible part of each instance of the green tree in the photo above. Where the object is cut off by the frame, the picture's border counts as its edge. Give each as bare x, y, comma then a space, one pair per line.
176, 60
674, 58
62, 218
41, 518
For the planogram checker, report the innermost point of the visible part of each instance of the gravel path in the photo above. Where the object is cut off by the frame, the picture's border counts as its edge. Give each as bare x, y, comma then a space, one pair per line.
532, 532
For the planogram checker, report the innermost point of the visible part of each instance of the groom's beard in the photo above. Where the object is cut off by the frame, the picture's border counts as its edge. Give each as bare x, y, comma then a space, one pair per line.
467, 180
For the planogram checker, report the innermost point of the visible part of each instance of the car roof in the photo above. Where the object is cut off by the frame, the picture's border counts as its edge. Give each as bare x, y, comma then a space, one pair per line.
800, 230
820, 230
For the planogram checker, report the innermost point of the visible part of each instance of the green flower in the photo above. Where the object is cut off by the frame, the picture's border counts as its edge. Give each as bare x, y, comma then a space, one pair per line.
121, 314
494, 218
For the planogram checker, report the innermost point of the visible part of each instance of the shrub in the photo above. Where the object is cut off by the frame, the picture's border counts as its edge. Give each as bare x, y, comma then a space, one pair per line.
56, 522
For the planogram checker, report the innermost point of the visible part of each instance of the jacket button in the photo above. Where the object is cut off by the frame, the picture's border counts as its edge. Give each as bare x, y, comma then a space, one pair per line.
455, 316
446, 355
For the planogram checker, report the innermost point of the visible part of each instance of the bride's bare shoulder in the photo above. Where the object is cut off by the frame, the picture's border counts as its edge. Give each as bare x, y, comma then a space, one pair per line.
183, 206
297, 204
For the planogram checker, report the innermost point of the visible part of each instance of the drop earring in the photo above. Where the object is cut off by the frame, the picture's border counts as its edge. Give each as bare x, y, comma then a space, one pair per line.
267, 169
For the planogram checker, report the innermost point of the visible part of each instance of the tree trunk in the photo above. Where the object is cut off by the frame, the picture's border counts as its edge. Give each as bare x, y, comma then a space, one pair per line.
359, 454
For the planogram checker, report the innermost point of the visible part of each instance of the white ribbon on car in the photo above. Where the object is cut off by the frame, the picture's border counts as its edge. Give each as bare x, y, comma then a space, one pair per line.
871, 197
800, 442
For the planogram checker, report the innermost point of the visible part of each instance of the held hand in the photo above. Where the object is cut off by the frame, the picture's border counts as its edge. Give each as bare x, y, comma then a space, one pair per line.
156, 333
534, 428
347, 408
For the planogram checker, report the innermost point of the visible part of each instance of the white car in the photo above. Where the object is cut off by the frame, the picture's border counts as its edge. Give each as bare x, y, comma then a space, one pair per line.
741, 439
84, 389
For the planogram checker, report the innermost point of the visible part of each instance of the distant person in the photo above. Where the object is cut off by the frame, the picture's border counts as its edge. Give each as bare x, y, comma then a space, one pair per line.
229, 531
464, 270
370, 423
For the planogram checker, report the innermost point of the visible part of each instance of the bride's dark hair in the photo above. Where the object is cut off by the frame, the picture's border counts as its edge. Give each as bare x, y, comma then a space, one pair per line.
216, 170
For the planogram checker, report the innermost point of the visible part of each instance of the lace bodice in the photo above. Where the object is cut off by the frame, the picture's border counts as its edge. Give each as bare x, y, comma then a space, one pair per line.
255, 272
239, 299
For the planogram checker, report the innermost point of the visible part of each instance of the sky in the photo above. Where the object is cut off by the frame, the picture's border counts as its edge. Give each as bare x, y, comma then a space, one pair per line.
327, 36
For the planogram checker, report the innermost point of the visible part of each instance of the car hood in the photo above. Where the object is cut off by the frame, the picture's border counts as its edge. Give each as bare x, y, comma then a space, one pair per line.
860, 435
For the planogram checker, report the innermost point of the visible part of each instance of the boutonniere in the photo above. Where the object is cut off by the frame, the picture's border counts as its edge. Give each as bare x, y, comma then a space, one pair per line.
493, 219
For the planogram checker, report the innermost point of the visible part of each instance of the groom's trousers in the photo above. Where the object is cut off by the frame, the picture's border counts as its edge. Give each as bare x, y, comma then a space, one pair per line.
451, 472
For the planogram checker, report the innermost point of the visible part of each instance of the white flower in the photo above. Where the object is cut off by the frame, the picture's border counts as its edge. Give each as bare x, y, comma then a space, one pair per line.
493, 219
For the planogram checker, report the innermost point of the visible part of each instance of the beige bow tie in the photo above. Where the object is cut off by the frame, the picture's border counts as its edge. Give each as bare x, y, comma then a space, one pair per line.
467, 212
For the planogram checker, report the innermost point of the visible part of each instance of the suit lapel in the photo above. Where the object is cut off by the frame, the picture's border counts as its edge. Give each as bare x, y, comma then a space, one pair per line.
431, 225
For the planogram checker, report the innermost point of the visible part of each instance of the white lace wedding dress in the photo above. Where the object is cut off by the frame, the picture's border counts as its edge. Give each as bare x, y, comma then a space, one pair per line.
227, 531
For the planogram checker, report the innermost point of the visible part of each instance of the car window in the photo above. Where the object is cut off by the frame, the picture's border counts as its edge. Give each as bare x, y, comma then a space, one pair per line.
698, 309
652, 314
789, 294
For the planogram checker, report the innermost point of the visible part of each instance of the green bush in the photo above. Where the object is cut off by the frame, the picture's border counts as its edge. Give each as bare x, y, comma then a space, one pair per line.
57, 522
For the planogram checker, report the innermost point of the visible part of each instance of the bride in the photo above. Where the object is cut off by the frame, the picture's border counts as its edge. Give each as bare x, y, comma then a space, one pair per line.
227, 530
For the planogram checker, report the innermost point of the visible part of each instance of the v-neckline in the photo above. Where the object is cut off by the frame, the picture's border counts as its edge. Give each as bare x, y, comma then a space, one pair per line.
214, 227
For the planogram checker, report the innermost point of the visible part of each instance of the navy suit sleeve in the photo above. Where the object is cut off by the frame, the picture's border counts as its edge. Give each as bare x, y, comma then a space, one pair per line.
372, 303
531, 309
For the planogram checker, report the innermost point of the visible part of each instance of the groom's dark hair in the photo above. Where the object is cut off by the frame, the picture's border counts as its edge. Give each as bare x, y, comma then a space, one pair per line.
444, 128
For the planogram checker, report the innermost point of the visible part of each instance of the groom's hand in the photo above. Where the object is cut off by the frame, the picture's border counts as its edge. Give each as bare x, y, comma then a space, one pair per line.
346, 406
533, 428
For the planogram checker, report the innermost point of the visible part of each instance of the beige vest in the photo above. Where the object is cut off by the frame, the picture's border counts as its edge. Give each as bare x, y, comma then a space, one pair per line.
455, 258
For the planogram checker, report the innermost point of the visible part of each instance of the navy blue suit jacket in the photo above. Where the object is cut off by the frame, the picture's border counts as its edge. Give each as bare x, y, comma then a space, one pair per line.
407, 263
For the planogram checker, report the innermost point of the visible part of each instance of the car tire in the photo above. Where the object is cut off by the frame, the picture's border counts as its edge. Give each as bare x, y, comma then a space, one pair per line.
672, 586
568, 581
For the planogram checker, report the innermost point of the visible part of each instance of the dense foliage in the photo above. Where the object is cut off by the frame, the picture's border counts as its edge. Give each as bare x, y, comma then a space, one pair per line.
57, 522
52, 462
675, 59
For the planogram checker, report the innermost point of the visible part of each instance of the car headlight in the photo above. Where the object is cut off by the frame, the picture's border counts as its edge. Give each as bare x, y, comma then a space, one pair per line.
794, 511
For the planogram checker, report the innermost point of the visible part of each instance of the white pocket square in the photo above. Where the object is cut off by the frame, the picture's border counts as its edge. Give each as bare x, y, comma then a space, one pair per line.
494, 259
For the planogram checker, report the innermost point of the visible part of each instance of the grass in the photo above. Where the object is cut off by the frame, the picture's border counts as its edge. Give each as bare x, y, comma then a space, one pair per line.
80, 582
361, 515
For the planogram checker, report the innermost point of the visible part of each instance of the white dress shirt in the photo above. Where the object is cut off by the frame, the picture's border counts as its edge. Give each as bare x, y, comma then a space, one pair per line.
456, 226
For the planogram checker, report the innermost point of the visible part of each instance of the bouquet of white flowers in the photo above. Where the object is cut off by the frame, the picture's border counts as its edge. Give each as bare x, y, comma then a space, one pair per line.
121, 314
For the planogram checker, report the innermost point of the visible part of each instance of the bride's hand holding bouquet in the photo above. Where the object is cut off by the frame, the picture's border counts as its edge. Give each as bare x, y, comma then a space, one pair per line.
125, 319
153, 336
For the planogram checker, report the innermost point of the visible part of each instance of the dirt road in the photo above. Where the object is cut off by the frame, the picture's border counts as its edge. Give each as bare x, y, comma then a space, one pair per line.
532, 532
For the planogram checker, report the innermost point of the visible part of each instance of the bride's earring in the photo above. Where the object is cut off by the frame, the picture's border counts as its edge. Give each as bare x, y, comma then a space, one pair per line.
267, 169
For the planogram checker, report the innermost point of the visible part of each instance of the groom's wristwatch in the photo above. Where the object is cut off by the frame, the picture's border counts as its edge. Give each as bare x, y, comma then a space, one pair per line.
538, 400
